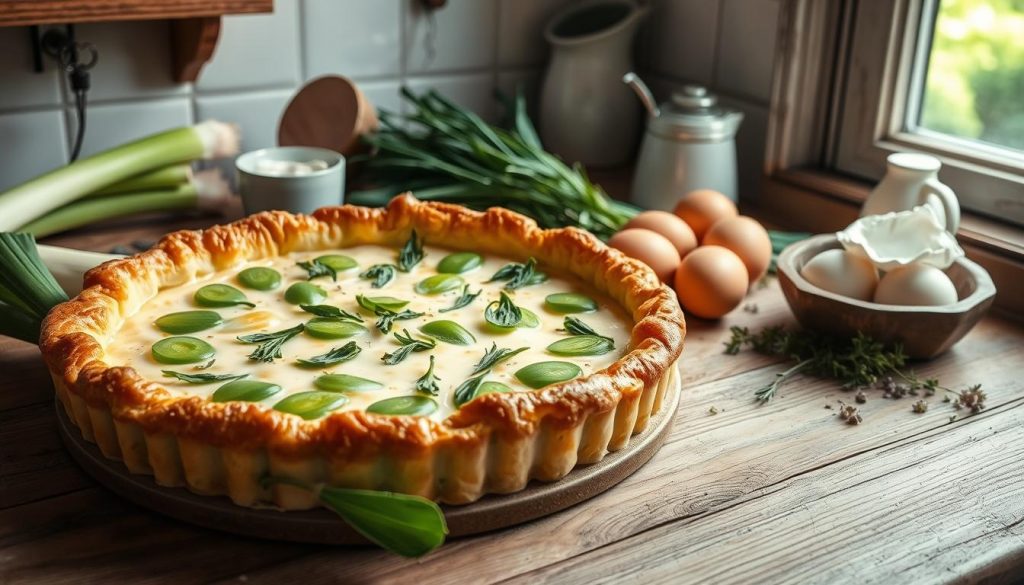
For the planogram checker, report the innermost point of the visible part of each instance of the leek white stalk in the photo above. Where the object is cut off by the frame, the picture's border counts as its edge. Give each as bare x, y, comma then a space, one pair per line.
168, 177
207, 191
69, 266
30, 200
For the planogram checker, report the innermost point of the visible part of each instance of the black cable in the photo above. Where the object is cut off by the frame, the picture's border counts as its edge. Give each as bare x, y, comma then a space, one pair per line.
80, 134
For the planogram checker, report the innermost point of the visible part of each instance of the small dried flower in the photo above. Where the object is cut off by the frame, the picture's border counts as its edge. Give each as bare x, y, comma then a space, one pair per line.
849, 413
920, 407
713, 410
861, 398
973, 398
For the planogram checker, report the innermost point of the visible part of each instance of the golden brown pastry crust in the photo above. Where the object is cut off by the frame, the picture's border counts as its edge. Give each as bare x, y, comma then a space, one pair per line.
74, 332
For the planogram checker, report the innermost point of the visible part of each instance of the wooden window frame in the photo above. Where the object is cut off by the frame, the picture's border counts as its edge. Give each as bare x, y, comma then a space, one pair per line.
801, 188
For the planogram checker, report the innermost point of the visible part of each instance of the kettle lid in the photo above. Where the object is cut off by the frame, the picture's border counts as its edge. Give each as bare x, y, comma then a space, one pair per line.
692, 115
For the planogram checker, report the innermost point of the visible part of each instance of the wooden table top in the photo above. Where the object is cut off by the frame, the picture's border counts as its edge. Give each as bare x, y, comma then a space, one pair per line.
755, 493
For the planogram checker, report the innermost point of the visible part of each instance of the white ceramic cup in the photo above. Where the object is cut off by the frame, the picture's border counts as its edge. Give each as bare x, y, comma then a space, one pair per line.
301, 193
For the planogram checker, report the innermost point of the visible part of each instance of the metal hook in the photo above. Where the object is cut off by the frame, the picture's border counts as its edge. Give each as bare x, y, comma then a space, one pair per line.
71, 53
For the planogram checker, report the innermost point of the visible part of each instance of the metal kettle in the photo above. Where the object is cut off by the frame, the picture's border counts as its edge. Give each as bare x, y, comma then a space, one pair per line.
689, 144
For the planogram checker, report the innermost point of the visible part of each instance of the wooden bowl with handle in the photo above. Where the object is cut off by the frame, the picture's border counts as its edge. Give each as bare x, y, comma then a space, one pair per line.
924, 332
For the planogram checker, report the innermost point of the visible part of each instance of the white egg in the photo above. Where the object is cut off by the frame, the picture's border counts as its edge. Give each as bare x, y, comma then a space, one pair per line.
916, 285
842, 273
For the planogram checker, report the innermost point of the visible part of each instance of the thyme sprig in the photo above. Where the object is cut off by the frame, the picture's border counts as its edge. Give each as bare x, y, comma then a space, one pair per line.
856, 362
386, 318
464, 300
493, 356
379, 274
411, 253
270, 343
409, 344
427, 383
332, 357
315, 269
576, 326
203, 378
331, 311
518, 275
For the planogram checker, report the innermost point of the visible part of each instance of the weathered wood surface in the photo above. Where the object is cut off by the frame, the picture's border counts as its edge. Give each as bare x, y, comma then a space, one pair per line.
756, 493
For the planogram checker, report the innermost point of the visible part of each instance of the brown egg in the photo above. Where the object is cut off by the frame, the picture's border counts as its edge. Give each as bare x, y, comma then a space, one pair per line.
747, 239
668, 225
651, 248
711, 281
703, 208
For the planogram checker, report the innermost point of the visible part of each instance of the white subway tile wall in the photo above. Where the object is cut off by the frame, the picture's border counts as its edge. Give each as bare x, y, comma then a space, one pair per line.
465, 50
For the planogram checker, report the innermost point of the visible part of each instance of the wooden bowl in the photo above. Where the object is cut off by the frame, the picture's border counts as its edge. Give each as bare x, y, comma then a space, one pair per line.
924, 332
328, 112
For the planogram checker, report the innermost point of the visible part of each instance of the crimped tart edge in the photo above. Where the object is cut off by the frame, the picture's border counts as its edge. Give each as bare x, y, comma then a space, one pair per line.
197, 429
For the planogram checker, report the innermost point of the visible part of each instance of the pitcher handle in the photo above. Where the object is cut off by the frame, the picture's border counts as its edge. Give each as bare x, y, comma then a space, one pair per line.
947, 201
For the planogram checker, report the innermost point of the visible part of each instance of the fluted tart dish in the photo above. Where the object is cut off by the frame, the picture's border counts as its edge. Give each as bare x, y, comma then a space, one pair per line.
422, 348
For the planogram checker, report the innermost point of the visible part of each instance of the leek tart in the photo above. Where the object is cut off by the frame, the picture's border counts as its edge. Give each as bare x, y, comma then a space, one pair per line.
433, 377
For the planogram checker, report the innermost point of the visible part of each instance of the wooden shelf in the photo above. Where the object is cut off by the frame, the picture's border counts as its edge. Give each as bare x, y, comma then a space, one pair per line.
29, 12
195, 24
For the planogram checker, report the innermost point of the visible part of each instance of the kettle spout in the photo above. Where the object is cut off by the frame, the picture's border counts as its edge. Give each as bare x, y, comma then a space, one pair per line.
643, 92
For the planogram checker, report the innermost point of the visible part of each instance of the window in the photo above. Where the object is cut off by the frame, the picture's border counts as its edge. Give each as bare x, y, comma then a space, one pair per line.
939, 76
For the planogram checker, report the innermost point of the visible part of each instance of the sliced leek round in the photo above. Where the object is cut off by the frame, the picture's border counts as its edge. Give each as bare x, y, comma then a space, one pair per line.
404, 405
346, 383
221, 295
311, 405
188, 321
439, 283
260, 278
460, 262
182, 350
570, 303
448, 332
305, 293
245, 391
338, 262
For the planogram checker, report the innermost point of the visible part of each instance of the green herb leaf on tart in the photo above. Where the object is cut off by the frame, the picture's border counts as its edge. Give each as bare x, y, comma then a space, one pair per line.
464, 299
245, 391
330, 311
460, 262
427, 383
182, 350
410, 526
576, 326
570, 303
578, 345
503, 313
204, 378
259, 278
418, 405
448, 332
332, 328
312, 404
221, 295
188, 321
518, 275
411, 253
494, 356
380, 274
492, 387
333, 357
270, 343
438, 284
541, 374
305, 293
346, 383
409, 344
205, 366
386, 318
371, 304
338, 262
530, 319
316, 269
467, 390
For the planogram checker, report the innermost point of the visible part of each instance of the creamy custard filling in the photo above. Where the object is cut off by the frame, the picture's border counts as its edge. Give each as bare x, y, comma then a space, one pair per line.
453, 363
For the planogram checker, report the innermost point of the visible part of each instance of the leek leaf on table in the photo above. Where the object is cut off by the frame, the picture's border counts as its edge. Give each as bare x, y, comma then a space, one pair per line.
27, 289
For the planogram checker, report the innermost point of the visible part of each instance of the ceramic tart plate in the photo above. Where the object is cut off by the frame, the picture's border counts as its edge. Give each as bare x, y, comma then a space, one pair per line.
456, 376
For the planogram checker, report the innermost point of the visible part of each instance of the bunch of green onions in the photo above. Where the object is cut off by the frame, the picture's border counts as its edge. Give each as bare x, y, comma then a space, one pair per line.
447, 153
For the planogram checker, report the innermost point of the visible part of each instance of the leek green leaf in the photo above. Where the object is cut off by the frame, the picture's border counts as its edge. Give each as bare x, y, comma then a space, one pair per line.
311, 405
542, 374
332, 328
188, 321
221, 295
346, 383
448, 332
570, 303
460, 262
582, 345
305, 293
406, 405
439, 283
245, 391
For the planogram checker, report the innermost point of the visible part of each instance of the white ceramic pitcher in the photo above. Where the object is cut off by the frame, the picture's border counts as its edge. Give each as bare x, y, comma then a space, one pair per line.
586, 114
911, 179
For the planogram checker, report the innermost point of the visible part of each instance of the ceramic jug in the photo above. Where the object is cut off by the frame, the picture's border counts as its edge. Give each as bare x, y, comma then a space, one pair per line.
586, 114
911, 179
